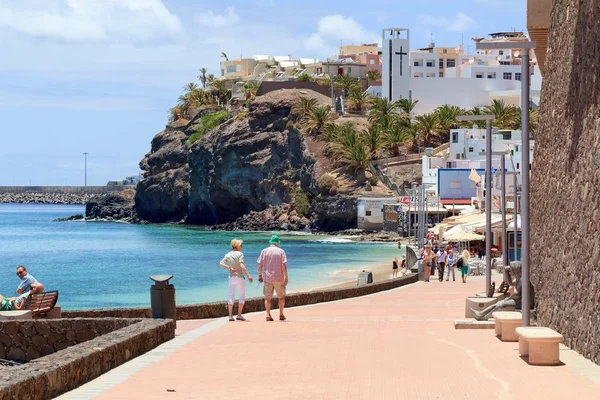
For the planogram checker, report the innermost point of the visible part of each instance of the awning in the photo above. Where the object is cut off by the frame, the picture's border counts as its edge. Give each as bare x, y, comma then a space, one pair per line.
457, 207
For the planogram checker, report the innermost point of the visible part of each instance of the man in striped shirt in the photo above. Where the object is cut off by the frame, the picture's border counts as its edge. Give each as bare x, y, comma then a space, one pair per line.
272, 262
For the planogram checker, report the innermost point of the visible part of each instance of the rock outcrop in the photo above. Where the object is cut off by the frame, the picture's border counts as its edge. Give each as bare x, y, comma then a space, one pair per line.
565, 186
118, 206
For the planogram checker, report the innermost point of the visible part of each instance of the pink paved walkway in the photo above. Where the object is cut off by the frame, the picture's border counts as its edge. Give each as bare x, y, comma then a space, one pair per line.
399, 344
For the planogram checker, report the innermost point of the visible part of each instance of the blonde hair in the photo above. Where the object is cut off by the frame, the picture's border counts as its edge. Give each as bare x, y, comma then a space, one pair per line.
236, 244
466, 255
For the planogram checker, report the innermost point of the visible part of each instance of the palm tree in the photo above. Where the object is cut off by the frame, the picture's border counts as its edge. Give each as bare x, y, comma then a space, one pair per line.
479, 124
427, 125
304, 78
220, 91
223, 55
316, 119
533, 121
395, 136
358, 100
304, 106
372, 138
250, 89
202, 76
407, 105
346, 82
447, 117
176, 113
373, 76
505, 114
382, 111
210, 79
190, 87
351, 151
199, 97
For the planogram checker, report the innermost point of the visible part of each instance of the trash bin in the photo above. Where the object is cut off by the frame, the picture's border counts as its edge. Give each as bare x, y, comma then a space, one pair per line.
365, 277
162, 297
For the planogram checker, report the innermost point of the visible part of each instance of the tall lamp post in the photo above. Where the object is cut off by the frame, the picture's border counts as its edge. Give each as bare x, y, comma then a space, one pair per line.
85, 168
524, 48
488, 191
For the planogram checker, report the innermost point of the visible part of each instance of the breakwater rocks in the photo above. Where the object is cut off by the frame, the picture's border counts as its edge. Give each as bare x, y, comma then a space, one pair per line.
280, 218
47, 198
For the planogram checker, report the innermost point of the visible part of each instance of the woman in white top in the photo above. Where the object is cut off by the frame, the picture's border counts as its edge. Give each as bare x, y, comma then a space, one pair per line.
234, 263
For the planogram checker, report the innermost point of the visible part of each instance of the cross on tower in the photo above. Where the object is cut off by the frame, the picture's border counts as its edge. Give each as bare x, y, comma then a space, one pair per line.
400, 53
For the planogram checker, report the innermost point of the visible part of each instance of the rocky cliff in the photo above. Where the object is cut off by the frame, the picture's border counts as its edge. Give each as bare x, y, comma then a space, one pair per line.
565, 186
252, 171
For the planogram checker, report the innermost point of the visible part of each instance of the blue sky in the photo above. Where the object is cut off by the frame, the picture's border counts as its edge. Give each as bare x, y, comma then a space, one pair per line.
99, 76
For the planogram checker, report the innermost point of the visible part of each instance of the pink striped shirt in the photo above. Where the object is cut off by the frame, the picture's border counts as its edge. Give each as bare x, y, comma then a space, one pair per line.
271, 259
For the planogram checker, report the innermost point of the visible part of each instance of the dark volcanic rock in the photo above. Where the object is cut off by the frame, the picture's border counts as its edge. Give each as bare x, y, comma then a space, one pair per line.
162, 196
117, 206
278, 218
248, 164
76, 217
335, 213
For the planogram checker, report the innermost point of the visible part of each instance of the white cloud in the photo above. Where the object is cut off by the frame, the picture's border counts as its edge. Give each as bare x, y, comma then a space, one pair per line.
333, 29
80, 20
460, 23
229, 17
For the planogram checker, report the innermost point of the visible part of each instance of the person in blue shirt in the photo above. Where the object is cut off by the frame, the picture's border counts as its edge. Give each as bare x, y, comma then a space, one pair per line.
28, 282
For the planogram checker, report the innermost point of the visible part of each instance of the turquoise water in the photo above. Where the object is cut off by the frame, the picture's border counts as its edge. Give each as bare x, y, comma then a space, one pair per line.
103, 264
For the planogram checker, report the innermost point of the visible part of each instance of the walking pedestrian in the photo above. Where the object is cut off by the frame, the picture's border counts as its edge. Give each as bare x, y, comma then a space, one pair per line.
234, 263
450, 265
441, 262
428, 257
463, 262
273, 262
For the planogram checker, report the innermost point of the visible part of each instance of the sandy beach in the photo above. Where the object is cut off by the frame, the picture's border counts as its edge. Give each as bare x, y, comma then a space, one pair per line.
381, 272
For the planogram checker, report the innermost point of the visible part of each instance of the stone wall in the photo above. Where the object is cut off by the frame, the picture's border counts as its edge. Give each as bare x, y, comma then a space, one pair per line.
219, 309
565, 186
52, 375
25, 341
62, 189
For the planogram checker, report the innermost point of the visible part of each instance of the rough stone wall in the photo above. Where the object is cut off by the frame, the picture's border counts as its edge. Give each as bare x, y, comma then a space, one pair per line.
24, 341
565, 186
219, 309
50, 376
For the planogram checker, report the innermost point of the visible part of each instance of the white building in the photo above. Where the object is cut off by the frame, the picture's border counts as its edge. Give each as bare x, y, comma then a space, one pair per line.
370, 212
424, 64
395, 67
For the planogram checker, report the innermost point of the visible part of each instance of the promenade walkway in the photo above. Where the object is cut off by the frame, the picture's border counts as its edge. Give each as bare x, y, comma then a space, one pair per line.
399, 344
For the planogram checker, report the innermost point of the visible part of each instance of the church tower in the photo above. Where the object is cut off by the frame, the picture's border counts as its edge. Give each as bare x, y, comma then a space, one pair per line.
395, 63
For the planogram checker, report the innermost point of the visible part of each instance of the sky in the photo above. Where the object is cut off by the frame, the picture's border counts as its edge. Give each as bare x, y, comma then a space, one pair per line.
99, 76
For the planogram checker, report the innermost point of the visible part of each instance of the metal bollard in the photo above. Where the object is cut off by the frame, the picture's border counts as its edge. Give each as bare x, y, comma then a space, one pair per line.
162, 297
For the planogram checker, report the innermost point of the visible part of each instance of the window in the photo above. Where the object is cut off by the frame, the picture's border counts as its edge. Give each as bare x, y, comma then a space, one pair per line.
458, 156
491, 76
450, 63
416, 64
441, 74
516, 148
349, 70
430, 63
479, 75
517, 76
231, 69
507, 76
454, 137
501, 52
368, 213
441, 64
445, 51
517, 165
372, 62
450, 164
470, 149
504, 62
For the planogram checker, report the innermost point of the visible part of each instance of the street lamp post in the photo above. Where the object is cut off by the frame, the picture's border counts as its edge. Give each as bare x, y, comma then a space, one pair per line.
85, 168
524, 47
488, 191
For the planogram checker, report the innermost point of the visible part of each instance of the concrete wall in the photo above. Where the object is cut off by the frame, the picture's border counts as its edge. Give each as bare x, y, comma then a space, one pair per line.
62, 189
565, 185
219, 309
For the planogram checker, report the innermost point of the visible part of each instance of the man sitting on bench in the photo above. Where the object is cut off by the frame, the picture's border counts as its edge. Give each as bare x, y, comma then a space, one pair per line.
28, 284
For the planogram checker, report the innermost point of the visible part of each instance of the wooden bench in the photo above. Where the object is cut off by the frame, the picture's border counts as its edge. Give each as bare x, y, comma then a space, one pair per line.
505, 323
540, 344
43, 303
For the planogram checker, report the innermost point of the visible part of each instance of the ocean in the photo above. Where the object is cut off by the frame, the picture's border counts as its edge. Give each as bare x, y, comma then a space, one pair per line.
108, 264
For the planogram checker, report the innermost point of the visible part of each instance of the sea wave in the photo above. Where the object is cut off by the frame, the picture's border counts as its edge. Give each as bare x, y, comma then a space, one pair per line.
331, 240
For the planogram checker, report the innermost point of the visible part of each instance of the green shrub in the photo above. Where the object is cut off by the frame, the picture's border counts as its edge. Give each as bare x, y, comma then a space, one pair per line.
242, 114
327, 183
300, 200
373, 180
207, 123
